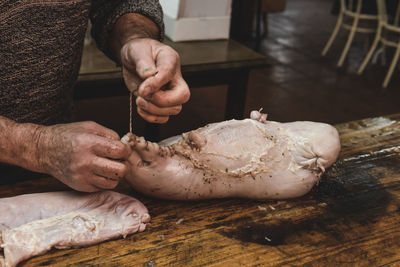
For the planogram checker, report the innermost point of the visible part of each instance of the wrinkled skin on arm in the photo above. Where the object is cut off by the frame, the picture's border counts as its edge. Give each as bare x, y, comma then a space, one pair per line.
252, 158
84, 155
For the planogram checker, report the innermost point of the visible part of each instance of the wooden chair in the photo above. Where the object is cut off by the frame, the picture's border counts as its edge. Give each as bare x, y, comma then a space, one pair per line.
384, 36
349, 11
263, 7
270, 6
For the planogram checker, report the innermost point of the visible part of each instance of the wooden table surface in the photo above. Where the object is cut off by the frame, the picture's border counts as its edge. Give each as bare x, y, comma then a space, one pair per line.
352, 218
195, 56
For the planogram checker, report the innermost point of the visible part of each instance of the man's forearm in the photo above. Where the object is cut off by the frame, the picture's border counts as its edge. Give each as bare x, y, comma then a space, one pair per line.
130, 26
18, 144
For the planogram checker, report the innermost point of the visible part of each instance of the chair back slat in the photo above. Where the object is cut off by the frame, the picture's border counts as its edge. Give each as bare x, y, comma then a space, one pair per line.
381, 5
397, 16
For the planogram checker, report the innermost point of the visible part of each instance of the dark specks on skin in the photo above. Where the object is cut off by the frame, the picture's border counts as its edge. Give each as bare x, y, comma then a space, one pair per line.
207, 180
155, 190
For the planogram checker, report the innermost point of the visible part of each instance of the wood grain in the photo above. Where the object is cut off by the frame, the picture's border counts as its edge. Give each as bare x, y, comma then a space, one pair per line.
350, 219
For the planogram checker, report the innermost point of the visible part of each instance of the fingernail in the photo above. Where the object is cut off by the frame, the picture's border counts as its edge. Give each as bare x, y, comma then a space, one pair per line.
142, 90
146, 70
141, 103
146, 93
145, 90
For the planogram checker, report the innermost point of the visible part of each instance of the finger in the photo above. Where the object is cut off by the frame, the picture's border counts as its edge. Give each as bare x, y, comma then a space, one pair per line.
159, 111
103, 182
132, 80
84, 187
138, 57
110, 169
167, 67
99, 130
151, 117
177, 95
111, 149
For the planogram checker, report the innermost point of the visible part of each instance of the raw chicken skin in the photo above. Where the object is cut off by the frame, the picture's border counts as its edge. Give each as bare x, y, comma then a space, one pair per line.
251, 158
33, 224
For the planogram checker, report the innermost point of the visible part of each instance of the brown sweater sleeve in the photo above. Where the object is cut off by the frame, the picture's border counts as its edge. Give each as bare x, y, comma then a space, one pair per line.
104, 14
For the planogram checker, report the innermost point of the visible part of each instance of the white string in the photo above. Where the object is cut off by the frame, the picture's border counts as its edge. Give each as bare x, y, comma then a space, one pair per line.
130, 111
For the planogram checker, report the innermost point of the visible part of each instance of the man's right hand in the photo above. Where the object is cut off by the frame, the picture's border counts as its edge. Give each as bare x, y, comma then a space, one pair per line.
84, 155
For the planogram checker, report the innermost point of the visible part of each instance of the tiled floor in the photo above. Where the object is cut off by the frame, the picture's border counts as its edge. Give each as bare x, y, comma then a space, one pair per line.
299, 85
305, 86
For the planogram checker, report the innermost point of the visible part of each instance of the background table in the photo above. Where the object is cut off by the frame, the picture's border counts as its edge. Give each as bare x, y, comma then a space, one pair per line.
351, 218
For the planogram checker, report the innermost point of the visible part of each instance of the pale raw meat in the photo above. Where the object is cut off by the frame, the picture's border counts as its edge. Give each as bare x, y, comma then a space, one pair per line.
251, 158
33, 224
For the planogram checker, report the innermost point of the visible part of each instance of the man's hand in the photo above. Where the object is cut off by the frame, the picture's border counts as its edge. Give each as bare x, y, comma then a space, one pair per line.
84, 155
163, 90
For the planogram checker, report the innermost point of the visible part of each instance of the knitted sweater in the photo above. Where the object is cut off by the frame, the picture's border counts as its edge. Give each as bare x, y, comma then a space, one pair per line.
41, 45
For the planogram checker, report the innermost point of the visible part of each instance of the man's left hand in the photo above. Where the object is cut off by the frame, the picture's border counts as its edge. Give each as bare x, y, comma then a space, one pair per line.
163, 90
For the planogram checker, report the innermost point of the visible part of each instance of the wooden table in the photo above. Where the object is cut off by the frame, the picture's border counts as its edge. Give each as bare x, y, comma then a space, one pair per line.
204, 63
351, 219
